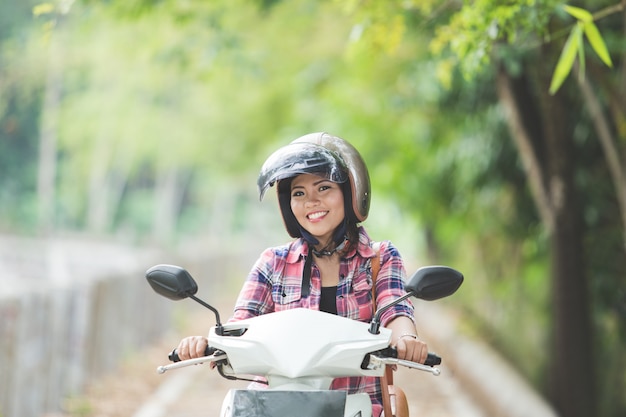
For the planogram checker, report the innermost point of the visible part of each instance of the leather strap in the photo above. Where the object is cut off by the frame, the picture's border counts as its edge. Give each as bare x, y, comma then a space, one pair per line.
387, 379
375, 269
305, 288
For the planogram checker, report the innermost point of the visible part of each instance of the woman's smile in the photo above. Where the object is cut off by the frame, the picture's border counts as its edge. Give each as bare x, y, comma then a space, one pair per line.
317, 215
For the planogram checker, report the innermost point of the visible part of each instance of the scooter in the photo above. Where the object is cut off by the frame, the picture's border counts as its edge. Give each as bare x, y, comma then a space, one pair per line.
297, 353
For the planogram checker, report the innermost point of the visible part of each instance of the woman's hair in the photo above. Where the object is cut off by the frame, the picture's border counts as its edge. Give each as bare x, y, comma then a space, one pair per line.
351, 222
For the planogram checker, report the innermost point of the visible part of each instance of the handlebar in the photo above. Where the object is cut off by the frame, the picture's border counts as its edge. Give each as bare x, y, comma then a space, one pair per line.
431, 360
173, 356
391, 352
389, 356
376, 362
216, 357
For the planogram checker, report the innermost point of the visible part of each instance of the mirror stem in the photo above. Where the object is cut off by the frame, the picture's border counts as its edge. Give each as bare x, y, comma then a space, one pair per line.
219, 329
375, 324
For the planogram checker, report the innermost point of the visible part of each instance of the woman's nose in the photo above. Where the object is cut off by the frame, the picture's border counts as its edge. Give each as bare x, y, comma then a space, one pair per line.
312, 201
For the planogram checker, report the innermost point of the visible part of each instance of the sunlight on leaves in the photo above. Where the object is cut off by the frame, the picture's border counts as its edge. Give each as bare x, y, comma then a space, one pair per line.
574, 47
580, 14
42, 9
566, 60
597, 43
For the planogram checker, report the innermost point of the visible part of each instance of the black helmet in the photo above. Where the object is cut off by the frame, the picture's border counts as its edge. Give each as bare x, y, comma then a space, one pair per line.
321, 154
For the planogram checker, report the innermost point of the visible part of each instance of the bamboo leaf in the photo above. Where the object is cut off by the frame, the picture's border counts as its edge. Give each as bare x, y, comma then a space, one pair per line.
566, 60
580, 14
597, 43
43, 8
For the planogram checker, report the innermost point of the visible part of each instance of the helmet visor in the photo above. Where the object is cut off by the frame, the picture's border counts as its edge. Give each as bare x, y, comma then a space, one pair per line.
301, 158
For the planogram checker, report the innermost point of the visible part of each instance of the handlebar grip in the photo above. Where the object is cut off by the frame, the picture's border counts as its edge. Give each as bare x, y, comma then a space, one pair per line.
173, 356
432, 359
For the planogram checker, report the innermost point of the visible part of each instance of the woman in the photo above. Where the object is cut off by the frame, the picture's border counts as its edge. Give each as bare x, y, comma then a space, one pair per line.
324, 193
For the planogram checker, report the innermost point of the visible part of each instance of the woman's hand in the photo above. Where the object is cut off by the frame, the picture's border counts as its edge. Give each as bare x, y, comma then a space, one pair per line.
408, 345
192, 347
412, 349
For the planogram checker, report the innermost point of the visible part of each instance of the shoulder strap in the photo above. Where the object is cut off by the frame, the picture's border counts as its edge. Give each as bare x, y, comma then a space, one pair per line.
305, 286
387, 379
375, 269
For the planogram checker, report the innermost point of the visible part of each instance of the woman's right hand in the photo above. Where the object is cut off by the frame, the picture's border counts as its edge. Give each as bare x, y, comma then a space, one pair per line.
192, 347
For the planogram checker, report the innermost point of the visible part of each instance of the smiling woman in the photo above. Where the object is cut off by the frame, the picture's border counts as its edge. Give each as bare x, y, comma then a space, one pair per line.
324, 193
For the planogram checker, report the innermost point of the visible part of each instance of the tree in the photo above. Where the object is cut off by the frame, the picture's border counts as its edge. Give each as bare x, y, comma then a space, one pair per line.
510, 39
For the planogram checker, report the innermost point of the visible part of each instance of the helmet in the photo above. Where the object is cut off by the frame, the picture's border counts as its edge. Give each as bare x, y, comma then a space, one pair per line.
321, 154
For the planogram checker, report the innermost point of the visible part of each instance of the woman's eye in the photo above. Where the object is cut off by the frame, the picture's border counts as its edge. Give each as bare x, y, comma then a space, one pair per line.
324, 187
297, 194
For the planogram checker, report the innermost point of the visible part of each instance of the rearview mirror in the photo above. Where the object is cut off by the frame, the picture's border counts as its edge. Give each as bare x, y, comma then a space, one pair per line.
434, 282
171, 281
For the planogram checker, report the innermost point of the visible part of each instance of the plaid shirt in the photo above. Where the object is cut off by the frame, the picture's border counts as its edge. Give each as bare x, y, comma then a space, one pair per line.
274, 284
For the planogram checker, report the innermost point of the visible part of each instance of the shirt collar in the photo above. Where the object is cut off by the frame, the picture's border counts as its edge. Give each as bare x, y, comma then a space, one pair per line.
299, 248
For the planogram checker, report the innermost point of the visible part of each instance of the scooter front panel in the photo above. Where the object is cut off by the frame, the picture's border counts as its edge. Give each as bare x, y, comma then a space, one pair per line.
268, 403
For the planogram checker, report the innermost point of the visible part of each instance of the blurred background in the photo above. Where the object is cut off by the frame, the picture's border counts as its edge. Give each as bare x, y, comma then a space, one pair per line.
132, 131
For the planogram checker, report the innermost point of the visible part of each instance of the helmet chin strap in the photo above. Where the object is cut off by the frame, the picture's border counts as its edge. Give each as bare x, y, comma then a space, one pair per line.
324, 252
309, 238
339, 238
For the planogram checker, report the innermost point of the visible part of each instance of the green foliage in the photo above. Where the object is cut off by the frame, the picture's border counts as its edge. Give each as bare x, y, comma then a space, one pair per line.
574, 47
487, 26
206, 93
20, 98
16, 18
478, 30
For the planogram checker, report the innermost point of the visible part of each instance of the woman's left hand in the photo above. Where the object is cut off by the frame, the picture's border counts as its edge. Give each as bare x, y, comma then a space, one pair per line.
412, 349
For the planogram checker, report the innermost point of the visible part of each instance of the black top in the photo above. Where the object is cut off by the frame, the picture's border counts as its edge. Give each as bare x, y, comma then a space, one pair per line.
328, 300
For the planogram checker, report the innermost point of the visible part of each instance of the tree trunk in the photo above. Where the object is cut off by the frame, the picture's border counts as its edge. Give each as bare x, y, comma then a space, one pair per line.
98, 205
572, 374
169, 192
108, 177
609, 144
46, 174
549, 161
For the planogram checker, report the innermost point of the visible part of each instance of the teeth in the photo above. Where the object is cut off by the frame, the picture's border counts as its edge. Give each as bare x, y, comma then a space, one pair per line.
317, 215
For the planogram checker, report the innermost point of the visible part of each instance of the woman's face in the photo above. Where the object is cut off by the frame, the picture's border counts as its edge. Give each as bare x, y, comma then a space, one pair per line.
317, 204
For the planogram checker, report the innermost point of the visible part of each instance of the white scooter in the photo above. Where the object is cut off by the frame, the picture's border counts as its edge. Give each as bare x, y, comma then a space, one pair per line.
297, 353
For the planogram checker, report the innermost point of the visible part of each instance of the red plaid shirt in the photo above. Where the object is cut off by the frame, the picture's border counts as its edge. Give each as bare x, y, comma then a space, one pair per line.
274, 284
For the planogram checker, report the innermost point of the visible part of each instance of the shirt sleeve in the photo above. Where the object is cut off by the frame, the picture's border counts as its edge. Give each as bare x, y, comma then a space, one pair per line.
255, 297
390, 284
